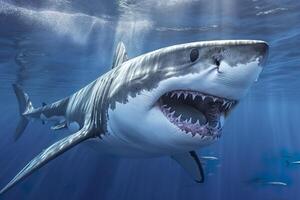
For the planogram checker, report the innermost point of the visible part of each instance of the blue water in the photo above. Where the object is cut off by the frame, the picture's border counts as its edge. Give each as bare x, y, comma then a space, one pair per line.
54, 47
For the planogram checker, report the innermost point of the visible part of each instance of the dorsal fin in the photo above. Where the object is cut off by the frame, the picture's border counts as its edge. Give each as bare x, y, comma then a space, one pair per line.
120, 55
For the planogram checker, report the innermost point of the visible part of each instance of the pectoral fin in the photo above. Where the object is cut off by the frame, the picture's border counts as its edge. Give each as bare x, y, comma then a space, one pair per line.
191, 163
49, 154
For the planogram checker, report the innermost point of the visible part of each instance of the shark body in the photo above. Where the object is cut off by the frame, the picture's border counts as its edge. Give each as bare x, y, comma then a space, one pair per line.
171, 101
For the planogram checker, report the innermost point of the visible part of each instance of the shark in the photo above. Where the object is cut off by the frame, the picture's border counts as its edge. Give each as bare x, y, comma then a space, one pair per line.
169, 102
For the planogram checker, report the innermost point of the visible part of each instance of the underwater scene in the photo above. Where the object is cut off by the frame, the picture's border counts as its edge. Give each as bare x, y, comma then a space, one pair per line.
51, 49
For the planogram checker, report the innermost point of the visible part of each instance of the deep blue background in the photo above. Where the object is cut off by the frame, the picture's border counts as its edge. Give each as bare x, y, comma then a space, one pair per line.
54, 47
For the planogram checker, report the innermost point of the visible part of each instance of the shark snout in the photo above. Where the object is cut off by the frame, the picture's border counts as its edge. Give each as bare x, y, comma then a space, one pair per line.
240, 66
243, 52
249, 51
263, 50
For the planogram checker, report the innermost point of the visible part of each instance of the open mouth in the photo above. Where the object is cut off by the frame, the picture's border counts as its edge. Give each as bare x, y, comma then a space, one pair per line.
195, 112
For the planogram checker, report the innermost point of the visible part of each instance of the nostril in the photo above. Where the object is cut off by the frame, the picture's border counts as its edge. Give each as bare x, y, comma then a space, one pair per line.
217, 62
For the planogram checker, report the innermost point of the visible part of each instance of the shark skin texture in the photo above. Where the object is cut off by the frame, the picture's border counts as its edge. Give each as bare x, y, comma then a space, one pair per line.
171, 101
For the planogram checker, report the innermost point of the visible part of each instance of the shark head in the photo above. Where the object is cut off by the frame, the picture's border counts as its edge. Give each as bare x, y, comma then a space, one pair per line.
178, 97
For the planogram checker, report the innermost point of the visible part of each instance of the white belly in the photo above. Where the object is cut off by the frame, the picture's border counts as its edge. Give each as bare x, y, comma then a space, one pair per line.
113, 146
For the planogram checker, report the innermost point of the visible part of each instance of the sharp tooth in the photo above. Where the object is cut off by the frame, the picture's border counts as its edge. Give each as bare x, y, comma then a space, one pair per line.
185, 121
172, 113
172, 95
185, 95
178, 118
190, 120
224, 102
197, 122
194, 96
202, 97
168, 109
214, 99
178, 94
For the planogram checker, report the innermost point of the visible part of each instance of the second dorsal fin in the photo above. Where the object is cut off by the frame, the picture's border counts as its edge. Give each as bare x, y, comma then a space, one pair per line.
120, 55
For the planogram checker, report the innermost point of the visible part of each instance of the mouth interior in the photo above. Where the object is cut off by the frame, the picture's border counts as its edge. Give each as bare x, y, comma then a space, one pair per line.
195, 112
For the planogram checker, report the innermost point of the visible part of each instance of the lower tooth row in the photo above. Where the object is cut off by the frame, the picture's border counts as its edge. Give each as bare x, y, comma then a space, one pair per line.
178, 119
197, 123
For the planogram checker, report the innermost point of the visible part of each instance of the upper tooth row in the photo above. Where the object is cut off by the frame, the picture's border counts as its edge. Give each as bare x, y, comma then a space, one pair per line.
203, 97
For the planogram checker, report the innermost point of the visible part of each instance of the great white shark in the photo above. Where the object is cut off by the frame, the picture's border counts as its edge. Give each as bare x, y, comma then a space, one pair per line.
171, 101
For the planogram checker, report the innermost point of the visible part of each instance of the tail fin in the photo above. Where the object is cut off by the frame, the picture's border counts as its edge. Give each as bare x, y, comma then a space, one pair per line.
24, 106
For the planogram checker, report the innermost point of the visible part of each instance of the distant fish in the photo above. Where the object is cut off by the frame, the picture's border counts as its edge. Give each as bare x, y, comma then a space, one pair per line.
261, 181
276, 183
297, 162
209, 158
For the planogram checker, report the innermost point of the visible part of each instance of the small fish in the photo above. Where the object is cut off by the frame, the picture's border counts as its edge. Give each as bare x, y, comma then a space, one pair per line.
297, 162
209, 158
276, 183
262, 181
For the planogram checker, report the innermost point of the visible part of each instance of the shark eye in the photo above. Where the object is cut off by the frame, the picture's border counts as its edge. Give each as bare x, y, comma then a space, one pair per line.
194, 55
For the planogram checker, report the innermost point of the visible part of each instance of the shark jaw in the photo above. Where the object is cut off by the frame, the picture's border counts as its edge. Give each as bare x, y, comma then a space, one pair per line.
196, 113
176, 99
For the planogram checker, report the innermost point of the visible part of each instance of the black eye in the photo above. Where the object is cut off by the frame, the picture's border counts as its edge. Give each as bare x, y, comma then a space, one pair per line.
194, 55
